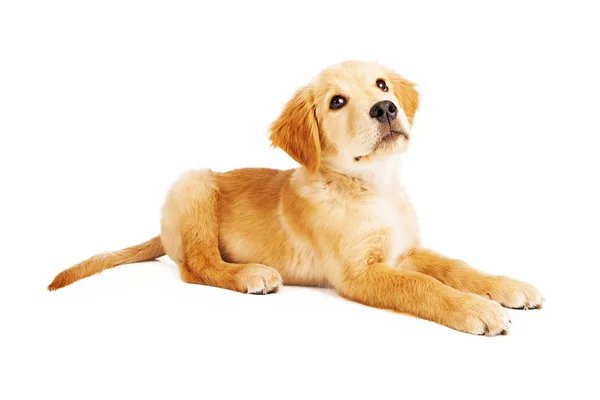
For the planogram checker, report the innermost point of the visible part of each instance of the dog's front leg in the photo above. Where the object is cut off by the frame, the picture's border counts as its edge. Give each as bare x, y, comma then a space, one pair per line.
458, 274
379, 285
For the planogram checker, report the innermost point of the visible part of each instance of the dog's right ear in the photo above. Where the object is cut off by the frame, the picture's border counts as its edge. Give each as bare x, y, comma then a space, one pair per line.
296, 130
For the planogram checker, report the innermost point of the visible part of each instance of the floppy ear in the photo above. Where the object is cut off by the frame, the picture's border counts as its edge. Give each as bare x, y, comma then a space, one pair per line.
296, 131
407, 95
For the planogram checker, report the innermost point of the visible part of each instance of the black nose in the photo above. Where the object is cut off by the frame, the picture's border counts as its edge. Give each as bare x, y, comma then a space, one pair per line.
383, 111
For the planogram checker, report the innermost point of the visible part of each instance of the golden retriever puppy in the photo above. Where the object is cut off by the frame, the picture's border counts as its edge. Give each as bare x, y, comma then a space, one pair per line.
342, 219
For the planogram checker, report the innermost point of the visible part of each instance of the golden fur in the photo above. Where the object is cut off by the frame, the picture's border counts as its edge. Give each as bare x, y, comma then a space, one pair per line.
342, 219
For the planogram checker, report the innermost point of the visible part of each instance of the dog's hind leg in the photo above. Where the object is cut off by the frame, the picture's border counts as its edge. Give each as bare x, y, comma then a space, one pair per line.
190, 236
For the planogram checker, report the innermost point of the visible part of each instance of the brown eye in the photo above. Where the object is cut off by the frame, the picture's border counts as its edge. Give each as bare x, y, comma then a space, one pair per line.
381, 85
337, 102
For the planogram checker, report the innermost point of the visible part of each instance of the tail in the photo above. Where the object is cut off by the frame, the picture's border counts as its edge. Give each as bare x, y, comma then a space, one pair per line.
146, 251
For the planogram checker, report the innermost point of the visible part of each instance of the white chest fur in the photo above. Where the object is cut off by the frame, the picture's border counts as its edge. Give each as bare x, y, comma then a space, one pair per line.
367, 210
394, 213
391, 209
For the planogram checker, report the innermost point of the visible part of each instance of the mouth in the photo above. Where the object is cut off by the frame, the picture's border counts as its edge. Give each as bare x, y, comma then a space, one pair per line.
391, 137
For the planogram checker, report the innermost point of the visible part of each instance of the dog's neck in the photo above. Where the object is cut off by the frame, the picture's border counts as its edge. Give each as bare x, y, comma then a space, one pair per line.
377, 176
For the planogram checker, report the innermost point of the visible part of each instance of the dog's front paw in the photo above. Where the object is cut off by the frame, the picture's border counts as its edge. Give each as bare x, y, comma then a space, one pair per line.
477, 315
512, 293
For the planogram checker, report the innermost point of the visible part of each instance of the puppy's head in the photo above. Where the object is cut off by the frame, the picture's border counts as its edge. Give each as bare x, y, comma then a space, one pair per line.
351, 114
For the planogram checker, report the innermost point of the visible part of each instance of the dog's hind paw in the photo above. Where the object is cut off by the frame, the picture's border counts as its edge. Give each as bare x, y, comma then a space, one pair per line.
259, 279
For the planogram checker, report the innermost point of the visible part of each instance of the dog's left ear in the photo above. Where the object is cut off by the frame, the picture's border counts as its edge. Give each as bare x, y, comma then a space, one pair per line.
296, 130
406, 93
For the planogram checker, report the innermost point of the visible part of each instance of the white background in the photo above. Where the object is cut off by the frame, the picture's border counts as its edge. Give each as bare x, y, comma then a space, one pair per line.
104, 104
